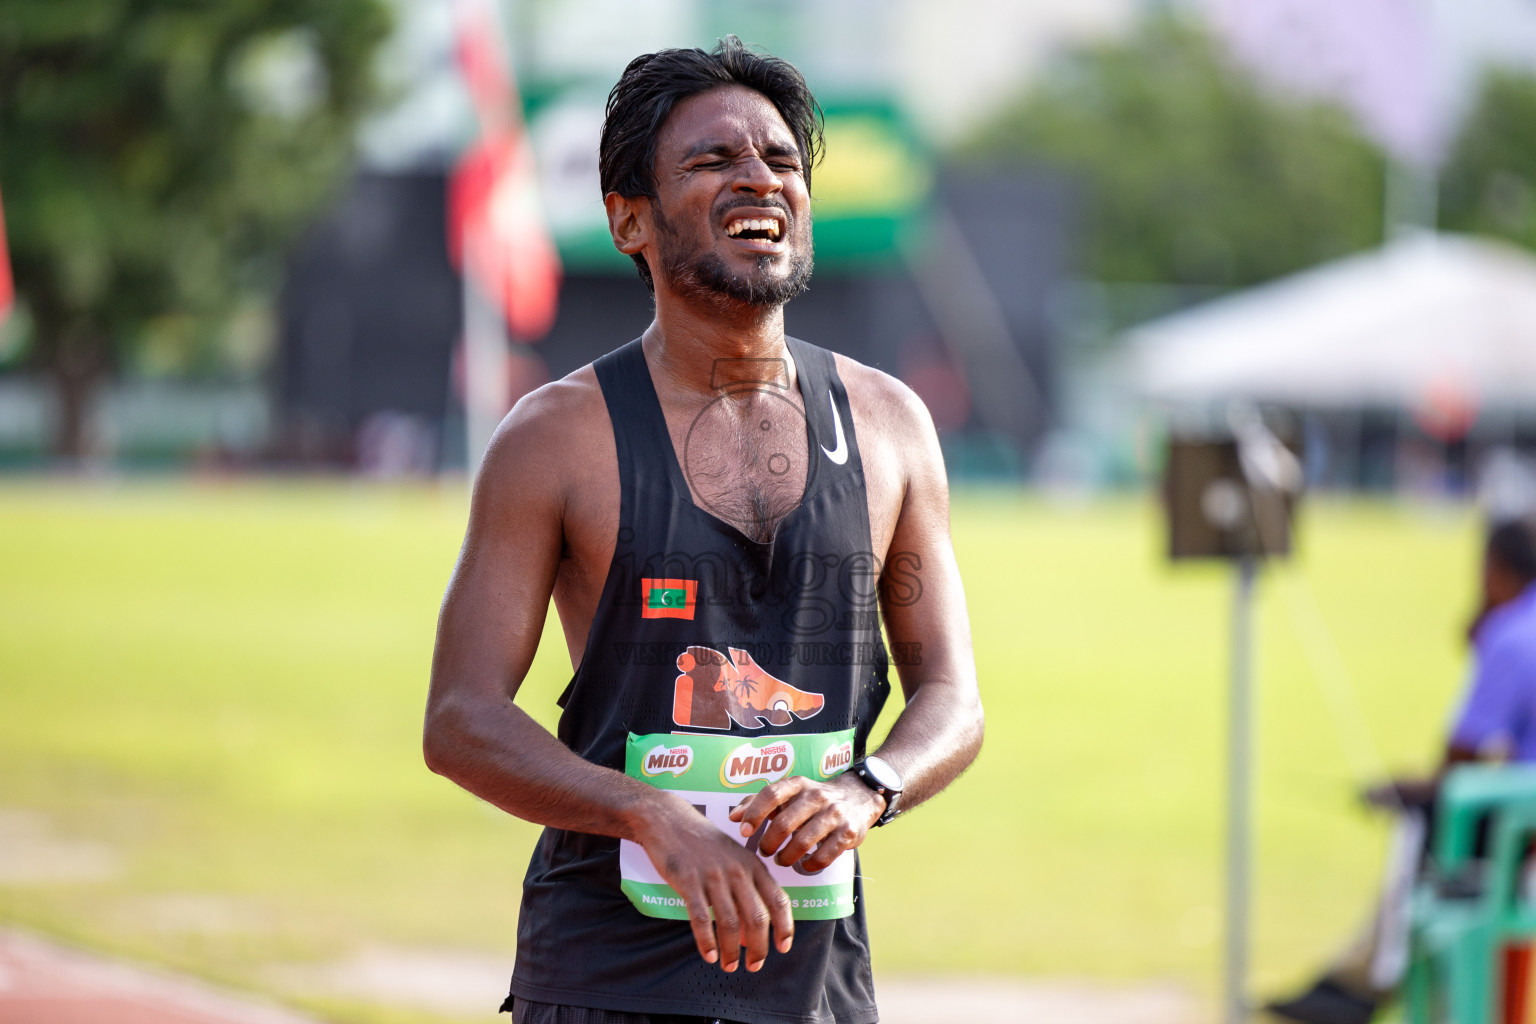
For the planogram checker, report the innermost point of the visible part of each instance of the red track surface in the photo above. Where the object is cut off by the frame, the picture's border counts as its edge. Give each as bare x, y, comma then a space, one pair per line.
41, 983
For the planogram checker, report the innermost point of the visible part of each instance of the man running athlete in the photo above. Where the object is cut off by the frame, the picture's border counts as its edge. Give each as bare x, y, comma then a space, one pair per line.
725, 518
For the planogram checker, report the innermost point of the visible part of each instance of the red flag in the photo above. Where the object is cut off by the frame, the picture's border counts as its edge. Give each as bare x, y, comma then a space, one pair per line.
7, 284
496, 227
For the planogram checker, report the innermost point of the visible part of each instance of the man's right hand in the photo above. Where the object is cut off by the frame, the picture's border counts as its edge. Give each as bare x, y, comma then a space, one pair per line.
713, 872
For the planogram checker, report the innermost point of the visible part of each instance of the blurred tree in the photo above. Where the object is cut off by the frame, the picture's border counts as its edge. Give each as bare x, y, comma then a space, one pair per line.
1488, 185
1191, 173
157, 156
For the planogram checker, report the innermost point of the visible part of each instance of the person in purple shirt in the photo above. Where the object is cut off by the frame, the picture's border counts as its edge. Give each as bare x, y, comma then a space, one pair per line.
1499, 714
1496, 722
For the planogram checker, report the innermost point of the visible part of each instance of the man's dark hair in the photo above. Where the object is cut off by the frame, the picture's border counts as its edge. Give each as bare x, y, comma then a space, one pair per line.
655, 83
1512, 544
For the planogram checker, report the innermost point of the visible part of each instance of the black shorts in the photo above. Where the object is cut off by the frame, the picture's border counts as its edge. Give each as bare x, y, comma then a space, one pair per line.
525, 1011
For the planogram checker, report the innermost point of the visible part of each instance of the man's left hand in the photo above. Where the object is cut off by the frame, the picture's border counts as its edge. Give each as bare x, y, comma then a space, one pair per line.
809, 820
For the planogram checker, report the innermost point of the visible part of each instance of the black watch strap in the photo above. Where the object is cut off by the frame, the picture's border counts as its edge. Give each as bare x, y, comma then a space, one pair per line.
879, 776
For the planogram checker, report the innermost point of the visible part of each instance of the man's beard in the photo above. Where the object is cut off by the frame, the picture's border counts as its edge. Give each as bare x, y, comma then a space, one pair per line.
691, 270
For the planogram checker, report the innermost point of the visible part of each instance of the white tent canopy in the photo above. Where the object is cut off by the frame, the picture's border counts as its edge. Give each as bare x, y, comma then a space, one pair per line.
1420, 319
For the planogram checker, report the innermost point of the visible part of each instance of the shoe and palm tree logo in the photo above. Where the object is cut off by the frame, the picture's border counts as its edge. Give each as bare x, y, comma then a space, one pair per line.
713, 690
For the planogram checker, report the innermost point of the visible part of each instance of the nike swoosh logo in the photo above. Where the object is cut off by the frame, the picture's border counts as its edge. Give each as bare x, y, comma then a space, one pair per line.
839, 454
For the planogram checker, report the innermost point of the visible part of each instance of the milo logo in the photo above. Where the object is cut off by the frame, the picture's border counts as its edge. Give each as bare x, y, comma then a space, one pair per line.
837, 758
747, 763
662, 759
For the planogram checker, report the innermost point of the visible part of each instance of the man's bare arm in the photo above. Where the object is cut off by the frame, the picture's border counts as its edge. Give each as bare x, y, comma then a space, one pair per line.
922, 600
939, 731
488, 630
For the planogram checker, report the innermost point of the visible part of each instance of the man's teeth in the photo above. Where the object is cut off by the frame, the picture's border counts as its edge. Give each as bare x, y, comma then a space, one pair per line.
767, 224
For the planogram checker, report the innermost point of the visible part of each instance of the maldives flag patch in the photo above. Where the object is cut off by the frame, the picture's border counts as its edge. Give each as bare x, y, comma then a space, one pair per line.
668, 599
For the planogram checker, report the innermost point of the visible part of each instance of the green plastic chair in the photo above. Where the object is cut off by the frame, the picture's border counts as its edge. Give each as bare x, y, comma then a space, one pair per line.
1456, 937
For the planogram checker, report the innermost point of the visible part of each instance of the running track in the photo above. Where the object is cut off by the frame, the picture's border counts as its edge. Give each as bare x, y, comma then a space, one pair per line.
41, 983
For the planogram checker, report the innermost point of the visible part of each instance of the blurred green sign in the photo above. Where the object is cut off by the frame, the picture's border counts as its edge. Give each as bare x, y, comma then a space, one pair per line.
871, 186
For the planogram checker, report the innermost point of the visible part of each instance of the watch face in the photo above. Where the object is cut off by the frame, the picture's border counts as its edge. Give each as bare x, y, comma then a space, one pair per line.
883, 774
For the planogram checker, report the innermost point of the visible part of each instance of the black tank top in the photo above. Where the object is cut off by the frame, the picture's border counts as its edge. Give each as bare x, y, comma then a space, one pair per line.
801, 611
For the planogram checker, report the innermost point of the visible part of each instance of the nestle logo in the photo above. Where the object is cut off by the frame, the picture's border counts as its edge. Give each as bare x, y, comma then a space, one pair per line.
836, 759
757, 764
667, 760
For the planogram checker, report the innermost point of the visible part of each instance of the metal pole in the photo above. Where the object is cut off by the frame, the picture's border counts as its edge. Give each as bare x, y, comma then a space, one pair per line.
485, 372
1239, 792
1410, 199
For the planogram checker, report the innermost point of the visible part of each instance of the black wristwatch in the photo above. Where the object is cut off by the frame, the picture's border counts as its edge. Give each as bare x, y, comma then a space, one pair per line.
879, 776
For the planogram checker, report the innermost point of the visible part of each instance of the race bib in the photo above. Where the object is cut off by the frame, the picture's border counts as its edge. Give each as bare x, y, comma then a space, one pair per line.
714, 774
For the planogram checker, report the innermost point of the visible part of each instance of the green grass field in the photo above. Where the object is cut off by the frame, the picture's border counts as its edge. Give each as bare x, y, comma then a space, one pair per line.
215, 690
